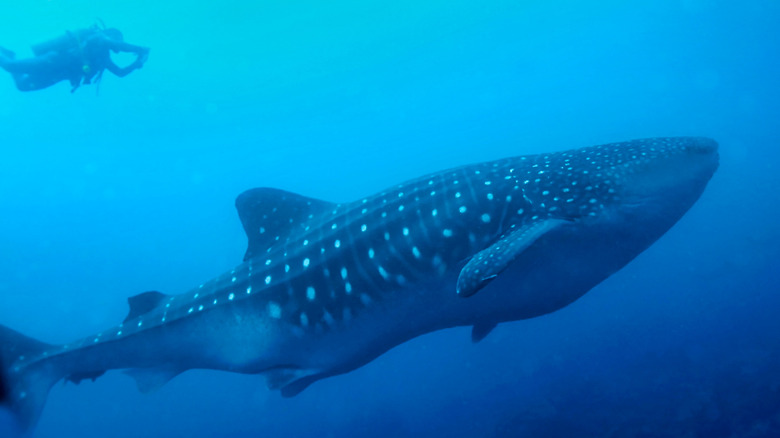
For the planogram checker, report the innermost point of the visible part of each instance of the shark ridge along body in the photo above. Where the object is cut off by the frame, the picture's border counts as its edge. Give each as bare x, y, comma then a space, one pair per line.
325, 288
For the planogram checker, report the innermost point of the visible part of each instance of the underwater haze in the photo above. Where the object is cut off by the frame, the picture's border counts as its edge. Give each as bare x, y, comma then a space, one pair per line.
130, 188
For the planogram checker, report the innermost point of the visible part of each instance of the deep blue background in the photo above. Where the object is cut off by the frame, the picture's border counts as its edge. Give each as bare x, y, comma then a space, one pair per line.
105, 196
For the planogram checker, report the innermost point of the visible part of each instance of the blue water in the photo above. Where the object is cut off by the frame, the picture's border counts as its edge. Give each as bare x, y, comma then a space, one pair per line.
103, 196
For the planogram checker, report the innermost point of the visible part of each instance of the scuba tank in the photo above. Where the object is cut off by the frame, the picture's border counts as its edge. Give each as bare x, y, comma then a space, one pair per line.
63, 43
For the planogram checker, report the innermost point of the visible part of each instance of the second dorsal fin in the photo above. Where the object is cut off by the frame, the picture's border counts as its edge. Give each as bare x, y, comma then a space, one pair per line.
269, 215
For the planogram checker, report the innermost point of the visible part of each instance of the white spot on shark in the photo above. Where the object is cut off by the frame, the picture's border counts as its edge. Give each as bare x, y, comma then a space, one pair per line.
274, 310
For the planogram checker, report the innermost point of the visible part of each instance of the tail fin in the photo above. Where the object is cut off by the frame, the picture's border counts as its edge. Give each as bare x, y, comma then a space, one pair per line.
24, 382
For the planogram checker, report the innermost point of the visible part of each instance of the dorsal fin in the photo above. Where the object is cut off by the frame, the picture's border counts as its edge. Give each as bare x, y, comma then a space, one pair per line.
143, 303
270, 214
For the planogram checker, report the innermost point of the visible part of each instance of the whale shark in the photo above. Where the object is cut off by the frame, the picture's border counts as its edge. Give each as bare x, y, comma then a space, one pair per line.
325, 288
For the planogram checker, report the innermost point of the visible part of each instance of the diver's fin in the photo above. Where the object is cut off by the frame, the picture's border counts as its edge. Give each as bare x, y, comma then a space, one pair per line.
143, 303
491, 261
151, 379
481, 330
270, 215
24, 385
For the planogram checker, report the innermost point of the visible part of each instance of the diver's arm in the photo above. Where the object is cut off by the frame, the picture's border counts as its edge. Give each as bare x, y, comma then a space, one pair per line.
121, 46
123, 71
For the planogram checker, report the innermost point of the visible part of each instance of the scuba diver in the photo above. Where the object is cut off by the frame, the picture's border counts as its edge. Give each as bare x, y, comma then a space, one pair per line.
79, 57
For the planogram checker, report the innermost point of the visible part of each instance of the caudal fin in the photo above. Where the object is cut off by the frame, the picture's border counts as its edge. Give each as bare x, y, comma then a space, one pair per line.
24, 379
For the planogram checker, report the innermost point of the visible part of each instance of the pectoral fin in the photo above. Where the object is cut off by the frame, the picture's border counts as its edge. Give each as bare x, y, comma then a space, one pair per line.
151, 379
491, 261
481, 330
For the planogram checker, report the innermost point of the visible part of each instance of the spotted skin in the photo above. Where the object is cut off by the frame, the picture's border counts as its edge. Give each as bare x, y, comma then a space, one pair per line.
324, 288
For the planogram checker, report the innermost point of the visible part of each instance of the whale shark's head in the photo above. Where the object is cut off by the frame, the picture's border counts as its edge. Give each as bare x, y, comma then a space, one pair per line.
587, 212
661, 177
653, 182
656, 174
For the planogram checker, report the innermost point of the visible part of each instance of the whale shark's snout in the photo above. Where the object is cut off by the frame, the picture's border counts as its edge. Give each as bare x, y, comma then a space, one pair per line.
701, 144
700, 154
